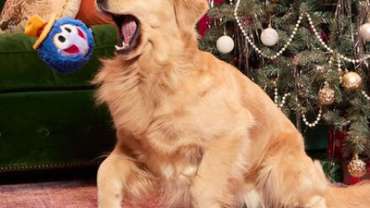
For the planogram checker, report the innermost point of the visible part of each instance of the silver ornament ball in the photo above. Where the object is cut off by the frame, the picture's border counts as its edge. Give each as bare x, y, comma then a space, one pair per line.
269, 37
225, 44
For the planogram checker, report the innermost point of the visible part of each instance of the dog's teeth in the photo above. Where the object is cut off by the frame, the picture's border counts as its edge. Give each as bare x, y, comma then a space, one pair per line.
118, 47
124, 46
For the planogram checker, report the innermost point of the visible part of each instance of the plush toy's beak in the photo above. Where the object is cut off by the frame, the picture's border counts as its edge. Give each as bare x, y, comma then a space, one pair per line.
34, 26
39, 28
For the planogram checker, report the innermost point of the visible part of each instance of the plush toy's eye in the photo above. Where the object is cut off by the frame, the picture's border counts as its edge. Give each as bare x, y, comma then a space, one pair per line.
61, 38
61, 41
69, 28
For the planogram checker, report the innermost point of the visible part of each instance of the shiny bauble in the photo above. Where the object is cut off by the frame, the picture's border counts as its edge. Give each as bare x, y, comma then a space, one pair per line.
269, 37
225, 44
351, 81
357, 167
364, 32
326, 95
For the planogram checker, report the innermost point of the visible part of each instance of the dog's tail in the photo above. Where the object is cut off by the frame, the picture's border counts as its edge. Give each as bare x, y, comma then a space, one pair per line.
355, 196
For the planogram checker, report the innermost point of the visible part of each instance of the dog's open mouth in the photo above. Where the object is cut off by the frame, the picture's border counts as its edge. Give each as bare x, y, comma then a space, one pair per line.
129, 33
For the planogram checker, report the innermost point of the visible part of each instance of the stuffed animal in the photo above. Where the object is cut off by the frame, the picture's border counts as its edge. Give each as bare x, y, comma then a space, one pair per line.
65, 44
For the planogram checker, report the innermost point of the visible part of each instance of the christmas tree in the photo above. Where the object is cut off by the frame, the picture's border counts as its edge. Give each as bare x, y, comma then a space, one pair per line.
310, 56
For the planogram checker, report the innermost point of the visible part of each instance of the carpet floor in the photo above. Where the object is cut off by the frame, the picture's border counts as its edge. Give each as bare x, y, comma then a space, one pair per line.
71, 194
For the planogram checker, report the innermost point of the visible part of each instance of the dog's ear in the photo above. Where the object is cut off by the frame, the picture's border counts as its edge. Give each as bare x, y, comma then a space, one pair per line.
188, 12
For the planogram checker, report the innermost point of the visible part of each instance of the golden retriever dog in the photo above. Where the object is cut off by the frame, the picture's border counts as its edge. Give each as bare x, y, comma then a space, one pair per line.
194, 132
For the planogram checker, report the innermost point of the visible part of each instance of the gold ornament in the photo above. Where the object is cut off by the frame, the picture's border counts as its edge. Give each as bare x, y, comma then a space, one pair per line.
357, 167
326, 95
351, 81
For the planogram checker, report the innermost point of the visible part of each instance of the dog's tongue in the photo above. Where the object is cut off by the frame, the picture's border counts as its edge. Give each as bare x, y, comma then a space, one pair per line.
128, 30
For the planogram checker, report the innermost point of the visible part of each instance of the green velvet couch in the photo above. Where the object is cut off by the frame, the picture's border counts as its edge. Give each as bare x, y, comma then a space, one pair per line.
49, 120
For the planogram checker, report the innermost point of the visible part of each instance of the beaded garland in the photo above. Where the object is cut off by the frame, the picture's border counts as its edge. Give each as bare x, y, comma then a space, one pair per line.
339, 56
276, 98
313, 124
304, 118
292, 36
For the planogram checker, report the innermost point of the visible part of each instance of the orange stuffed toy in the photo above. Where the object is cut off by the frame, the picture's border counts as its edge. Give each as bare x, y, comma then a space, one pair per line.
89, 14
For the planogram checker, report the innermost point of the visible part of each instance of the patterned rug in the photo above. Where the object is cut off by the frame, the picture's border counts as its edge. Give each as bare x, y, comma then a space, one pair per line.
73, 194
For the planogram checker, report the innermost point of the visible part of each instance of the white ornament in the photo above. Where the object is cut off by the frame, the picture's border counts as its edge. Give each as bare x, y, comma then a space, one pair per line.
365, 95
298, 24
269, 37
365, 31
225, 44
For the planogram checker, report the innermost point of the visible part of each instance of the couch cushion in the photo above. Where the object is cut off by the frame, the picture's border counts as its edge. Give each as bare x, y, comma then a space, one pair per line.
52, 129
20, 67
2, 4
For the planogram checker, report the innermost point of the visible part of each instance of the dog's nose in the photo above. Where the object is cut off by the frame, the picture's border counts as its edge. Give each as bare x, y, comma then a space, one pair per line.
101, 4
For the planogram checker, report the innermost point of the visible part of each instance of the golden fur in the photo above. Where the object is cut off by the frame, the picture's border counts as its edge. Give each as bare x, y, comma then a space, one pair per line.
193, 132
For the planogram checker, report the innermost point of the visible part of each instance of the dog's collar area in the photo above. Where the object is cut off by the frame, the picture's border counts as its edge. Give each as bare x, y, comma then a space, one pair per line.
129, 32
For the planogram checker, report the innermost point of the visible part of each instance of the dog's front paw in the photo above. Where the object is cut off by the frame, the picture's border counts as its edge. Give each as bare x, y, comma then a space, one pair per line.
316, 202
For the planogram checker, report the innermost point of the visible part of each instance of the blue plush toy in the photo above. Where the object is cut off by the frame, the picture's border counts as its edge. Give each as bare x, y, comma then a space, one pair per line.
65, 44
